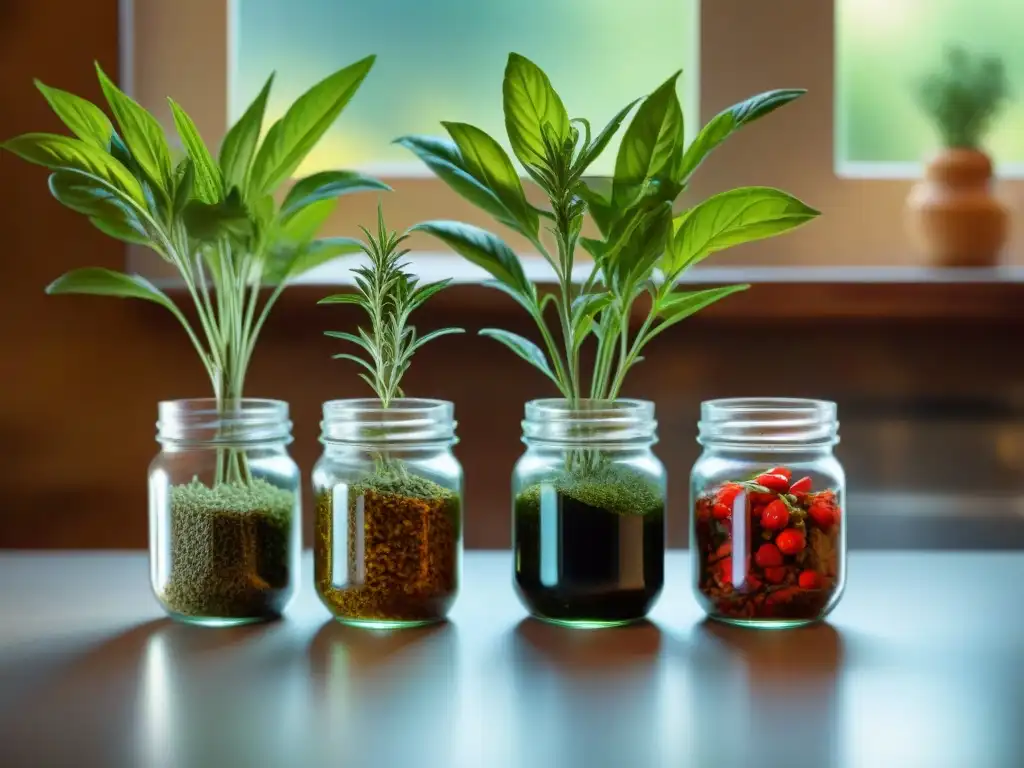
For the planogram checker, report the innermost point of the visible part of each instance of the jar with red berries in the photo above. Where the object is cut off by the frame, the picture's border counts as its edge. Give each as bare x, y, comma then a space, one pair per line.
768, 534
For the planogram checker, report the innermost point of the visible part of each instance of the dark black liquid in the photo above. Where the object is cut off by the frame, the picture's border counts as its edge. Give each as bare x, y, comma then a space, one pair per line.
578, 563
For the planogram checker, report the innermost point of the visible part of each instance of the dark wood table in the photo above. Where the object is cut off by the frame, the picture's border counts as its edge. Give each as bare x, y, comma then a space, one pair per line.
921, 666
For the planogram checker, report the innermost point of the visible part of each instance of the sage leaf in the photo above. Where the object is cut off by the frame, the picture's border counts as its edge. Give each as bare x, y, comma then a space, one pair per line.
730, 218
142, 133
55, 151
649, 143
483, 249
98, 281
239, 145
584, 308
326, 185
208, 222
728, 121
207, 182
302, 259
681, 304
82, 117
530, 103
526, 301
97, 199
291, 138
486, 161
525, 348
302, 226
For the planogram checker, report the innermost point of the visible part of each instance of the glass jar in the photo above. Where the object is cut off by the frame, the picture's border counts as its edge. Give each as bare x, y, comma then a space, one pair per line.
224, 511
589, 512
768, 538
387, 547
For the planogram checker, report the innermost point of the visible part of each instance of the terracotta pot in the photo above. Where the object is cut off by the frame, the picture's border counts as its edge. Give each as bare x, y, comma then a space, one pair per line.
953, 216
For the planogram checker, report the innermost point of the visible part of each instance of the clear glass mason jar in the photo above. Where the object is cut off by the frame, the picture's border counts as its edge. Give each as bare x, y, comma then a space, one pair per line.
224, 511
387, 548
589, 512
768, 535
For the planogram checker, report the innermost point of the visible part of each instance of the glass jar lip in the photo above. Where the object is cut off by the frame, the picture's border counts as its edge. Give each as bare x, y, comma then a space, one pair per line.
406, 420
589, 422
768, 421
208, 421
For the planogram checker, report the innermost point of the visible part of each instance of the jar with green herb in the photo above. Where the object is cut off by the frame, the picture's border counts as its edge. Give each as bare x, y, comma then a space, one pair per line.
224, 530
388, 534
589, 512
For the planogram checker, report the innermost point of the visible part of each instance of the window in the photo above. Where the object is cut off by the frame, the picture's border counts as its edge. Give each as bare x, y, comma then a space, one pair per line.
884, 48
443, 60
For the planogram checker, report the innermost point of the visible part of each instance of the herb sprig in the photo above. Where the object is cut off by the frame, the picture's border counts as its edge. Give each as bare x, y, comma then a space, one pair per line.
964, 96
389, 295
643, 247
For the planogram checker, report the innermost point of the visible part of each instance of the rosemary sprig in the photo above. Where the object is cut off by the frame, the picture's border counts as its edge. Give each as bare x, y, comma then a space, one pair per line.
388, 294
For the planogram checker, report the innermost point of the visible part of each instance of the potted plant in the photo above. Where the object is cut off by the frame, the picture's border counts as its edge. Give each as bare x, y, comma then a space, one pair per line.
952, 214
388, 532
223, 493
589, 494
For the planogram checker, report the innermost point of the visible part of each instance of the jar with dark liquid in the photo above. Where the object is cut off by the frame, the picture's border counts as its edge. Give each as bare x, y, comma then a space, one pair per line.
589, 512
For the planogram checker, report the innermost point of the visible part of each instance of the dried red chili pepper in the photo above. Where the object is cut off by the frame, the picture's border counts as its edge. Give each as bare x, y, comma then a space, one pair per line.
784, 471
768, 555
790, 541
777, 483
775, 516
801, 487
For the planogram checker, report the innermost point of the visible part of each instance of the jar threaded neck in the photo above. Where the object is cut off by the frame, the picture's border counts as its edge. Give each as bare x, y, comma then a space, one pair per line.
405, 421
588, 422
207, 421
767, 422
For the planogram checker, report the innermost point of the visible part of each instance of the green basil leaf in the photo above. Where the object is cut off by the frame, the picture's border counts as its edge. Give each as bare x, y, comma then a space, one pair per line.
679, 305
525, 348
649, 143
483, 249
293, 262
326, 185
584, 308
486, 161
726, 122
207, 183
207, 222
142, 133
184, 184
82, 117
526, 301
731, 218
599, 207
529, 103
597, 146
58, 152
239, 143
104, 205
292, 137
302, 226
106, 282
443, 158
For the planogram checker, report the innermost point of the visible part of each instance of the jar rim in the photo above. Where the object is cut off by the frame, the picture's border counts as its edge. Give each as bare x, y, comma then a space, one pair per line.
589, 422
202, 421
406, 420
768, 421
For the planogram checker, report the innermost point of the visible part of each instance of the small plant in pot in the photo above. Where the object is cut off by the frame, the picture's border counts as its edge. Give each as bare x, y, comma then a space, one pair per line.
223, 492
589, 494
952, 214
388, 532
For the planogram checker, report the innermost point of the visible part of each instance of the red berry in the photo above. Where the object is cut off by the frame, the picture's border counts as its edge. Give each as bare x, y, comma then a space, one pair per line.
790, 541
810, 580
775, 574
724, 570
777, 483
768, 556
775, 516
822, 513
727, 494
762, 498
785, 472
801, 486
721, 511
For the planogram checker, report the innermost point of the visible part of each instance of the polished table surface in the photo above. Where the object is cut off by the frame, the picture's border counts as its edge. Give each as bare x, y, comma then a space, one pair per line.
922, 664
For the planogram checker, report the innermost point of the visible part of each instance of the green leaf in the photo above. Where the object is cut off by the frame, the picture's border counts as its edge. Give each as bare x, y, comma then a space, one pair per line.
424, 292
142, 133
649, 143
292, 137
483, 249
207, 183
97, 199
184, 184
525, 348
599, 207
309, 256
434, 335
726, 122
530, 102
302, 226
731, 218
597, 146
106, 282
82, 117
681, 304
57, 152
207, 222
526, 301
239, 143
443, 158
354, 359
584, 308
341, 298
350, 337
486, 161
326, 185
